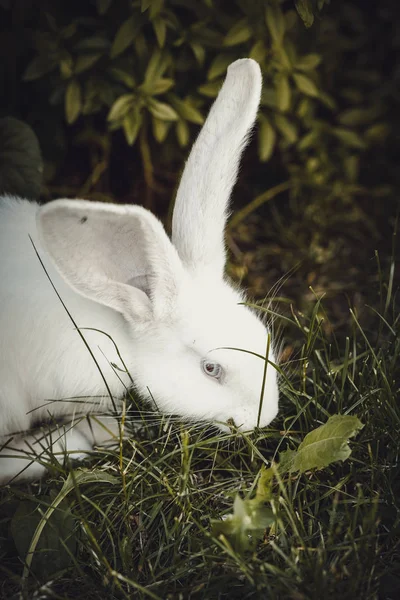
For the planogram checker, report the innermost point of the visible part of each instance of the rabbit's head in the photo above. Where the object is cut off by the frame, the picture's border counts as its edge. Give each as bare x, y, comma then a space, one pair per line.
197, 350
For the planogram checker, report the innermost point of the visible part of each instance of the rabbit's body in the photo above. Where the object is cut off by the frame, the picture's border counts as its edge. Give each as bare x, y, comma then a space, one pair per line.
43, 357
187, 342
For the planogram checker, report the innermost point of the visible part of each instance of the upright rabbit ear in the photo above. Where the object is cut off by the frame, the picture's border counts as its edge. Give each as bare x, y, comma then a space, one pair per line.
119, 256
210, 173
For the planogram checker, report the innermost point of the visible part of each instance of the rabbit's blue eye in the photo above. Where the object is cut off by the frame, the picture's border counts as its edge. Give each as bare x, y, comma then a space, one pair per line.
211, 369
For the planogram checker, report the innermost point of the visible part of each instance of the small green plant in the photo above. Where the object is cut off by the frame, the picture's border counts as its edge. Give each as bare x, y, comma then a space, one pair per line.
320, 448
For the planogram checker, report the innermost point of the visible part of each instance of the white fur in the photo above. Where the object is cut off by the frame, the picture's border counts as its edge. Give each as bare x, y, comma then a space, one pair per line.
166, 306
211, 170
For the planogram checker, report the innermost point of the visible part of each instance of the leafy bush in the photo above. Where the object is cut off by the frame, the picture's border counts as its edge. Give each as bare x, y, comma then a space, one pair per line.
151, 67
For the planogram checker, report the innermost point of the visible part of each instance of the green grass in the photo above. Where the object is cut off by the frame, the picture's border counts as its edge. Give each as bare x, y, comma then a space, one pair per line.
137, 522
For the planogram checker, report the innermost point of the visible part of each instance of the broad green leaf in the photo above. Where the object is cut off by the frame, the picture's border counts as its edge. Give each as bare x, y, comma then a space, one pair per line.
264, 486
349, 138
377, 132
308, 62
125, 35
276, 22
210, 89
207, 36
308, 140
246, 525
283, 60
121, 107
199, 52
358, 116
68, 31
305, 10
155, 7
186, 110
160, 29
144, 5
156, 67
160, 129
266, 140
93, 44
73, 101
250, 517
219, 66
305, 85
239, 33
85, 61
39, 66
258, 51
161, 86
182, 133
286, 461
283, 92
327, 100
66, 66
304, 108
131, 124
322, 446
162, 111
21, 164
291, 51
288, 129
123, 76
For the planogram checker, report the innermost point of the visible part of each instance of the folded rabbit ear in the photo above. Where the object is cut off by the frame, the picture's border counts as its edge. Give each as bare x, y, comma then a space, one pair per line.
210, 173
119, 256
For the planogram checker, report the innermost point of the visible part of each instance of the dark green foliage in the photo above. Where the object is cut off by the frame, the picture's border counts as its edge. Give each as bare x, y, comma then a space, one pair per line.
21, 164
150, 69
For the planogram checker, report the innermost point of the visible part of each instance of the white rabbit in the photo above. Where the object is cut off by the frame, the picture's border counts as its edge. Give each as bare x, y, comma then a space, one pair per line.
179, 326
